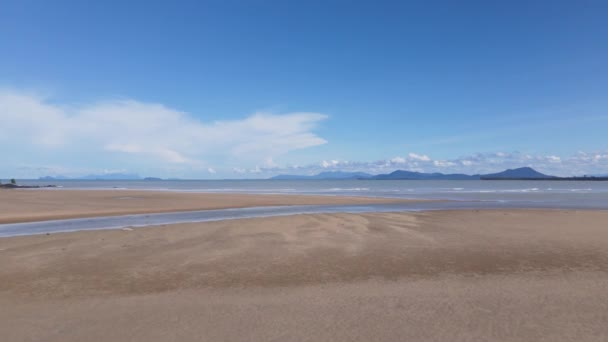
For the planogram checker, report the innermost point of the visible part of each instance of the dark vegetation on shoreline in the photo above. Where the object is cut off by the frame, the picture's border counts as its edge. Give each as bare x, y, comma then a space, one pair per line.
13, 185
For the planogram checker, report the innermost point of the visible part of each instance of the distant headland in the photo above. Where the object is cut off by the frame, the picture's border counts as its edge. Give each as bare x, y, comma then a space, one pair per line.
522, 173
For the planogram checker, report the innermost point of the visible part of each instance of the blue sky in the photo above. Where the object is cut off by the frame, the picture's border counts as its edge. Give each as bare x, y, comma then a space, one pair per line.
215, 89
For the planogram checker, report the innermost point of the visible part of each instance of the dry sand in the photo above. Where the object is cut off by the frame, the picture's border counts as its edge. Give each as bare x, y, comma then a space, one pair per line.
519, 275
39, 205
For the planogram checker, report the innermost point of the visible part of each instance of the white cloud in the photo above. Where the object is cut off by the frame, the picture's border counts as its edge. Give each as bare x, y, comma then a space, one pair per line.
443, 163
152, 132
331, 163
269, 162
420, 157
43, 137
479, 163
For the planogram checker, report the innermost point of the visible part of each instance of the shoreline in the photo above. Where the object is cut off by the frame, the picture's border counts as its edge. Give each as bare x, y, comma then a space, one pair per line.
168, 219
28, 205
33, 212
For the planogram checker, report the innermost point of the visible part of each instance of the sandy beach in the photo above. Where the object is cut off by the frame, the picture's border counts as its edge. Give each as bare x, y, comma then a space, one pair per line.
517, 275
39, 205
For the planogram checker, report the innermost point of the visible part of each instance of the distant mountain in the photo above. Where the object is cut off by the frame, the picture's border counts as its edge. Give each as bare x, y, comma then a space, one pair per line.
325, 175
153, 179
411, 175
520, 173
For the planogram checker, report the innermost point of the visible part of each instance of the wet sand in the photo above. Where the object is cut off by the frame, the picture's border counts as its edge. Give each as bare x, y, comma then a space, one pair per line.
517, 275
39, 205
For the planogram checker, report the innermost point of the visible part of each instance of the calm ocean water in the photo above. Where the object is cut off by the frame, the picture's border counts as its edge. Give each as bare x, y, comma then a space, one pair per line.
580, 193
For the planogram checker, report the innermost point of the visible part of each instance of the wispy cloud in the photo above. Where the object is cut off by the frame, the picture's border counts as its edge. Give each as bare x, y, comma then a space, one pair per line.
150, 132
43, 137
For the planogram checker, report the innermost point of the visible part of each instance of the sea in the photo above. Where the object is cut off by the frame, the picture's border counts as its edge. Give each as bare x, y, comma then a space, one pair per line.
528, 192
444, 195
